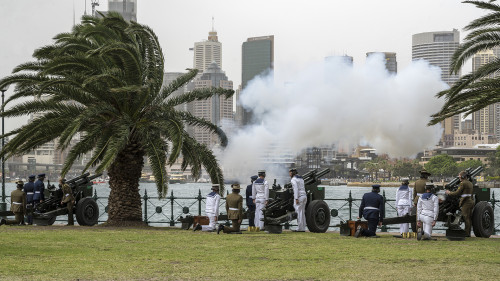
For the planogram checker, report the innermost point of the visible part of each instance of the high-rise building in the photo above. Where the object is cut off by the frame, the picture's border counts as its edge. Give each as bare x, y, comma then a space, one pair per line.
257, 59
43, 153
438, 48
215, 109
207, 51
486, 120
127, 8
391, 63
345, 59
169, 77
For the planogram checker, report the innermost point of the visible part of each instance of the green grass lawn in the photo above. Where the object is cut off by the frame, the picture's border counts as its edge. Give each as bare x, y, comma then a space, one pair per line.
104, 253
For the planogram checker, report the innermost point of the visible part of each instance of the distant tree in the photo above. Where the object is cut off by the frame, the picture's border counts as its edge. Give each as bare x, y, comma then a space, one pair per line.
462, 166
407, 168
442, 165
372, 168
493, 168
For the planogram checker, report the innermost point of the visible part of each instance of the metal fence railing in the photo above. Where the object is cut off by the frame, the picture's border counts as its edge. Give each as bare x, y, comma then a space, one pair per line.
167, 211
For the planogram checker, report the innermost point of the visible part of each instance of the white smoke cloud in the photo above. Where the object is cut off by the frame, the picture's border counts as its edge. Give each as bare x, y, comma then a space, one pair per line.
331, 101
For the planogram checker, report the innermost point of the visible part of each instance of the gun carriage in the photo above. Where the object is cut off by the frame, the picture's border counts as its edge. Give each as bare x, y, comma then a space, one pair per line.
85, 209
483, 223
280, 208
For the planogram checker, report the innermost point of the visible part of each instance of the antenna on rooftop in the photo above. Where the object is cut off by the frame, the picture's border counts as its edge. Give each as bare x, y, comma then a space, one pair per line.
213, 24
94, 3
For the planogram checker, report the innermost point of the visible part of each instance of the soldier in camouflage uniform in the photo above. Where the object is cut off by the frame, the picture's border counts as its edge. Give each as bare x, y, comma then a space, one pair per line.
67, 198
18, 205
234, 208
466, 202
419, 187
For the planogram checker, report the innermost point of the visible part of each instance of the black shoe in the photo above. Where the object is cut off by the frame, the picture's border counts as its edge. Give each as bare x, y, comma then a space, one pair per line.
358, 232
298, 230
198, 227
221, 227
3, 221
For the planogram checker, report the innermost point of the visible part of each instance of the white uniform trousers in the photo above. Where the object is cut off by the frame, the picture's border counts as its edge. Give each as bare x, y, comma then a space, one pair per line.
427, 225
259, 205
211, 224
300, 209
403, 210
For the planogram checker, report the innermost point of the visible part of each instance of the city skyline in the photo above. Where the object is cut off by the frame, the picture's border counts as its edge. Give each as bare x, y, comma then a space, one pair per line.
304, 32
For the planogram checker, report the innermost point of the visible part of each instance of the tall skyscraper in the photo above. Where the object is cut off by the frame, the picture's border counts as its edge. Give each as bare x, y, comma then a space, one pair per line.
486, 120
257, 59
127, 8
207, 51
437, 48
169, 77
391, 63
217, 108
345, 59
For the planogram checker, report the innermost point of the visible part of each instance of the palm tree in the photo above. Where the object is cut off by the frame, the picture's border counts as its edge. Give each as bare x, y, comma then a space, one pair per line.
478, 89
102, 82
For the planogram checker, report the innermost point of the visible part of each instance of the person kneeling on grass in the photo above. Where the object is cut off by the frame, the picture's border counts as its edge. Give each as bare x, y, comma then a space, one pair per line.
427, 212
372, 208
234, 208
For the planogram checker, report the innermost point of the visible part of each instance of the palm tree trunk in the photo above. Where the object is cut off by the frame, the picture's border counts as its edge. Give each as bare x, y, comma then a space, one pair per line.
124, 200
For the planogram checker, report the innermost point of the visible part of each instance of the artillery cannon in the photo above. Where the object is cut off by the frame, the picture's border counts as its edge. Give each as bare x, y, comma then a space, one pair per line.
280, 205
483, 223
85, 209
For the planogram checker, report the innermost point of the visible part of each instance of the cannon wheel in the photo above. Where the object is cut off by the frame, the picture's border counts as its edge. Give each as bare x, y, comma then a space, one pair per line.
483, 220
318, 216
87, 212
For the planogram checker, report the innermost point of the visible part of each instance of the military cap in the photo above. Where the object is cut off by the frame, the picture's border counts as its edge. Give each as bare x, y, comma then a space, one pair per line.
262, 171
19, 182
424, 172
254, 177
41, 175
32, 177
292, 170
235, 186
376, 186
215, 186
405, 181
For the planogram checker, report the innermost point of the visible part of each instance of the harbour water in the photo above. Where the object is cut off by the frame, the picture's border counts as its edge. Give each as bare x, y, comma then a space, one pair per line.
186, 195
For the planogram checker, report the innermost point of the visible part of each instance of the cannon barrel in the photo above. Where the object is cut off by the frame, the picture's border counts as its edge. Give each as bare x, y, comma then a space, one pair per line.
311, 180
77, 178
83, 179
310, 177
470, 175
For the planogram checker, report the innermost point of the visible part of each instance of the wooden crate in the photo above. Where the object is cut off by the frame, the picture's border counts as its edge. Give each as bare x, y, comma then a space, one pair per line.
353, 225
202, 220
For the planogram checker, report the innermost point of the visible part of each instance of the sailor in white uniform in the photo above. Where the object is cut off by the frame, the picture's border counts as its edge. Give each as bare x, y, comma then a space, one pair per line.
211, 210
427, 211
300, 199
260, 195
404, 194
